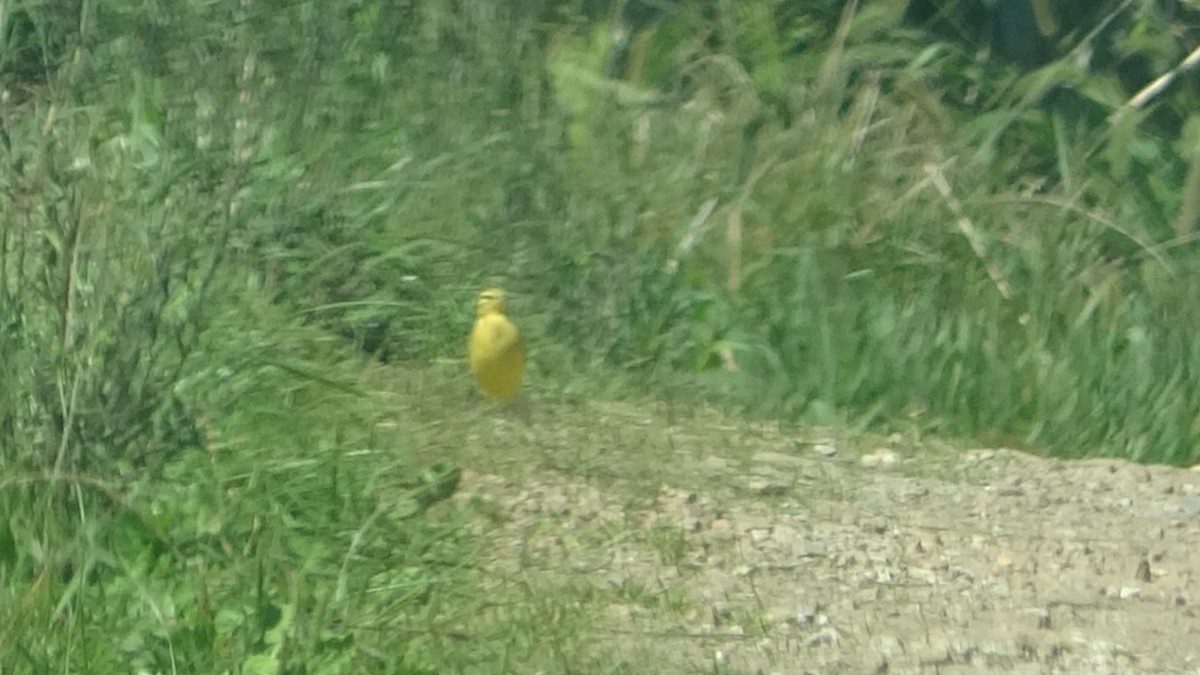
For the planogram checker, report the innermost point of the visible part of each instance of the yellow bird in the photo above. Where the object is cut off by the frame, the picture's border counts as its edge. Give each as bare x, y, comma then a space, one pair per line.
495, 350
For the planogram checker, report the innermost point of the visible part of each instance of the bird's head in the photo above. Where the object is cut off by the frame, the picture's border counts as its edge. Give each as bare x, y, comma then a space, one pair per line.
490, 300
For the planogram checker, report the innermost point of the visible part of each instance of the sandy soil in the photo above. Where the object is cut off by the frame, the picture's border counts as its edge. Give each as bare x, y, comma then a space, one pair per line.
741, 550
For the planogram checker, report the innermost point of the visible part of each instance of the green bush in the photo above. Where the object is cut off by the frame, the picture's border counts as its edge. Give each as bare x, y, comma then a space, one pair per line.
912, 233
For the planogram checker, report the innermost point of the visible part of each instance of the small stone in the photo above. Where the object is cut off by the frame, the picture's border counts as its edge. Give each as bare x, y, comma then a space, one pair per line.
886, 645
767, 486
826, 636
879, 575
825, 449
1130, 593
808, 549
980, 455
923, 575
805, 614
875, 525
1007, 490
882, 459
777, 459
998, 649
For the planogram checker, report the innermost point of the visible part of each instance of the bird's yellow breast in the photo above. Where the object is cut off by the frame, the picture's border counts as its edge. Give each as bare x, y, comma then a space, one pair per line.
495, 351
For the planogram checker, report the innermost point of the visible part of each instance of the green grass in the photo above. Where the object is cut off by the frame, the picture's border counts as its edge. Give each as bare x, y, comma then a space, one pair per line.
237, 257
283, 541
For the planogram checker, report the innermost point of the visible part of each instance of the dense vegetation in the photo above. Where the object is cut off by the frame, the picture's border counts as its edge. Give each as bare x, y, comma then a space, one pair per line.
212, 211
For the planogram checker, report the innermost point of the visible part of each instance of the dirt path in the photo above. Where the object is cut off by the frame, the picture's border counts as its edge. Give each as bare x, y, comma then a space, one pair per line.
730, 548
